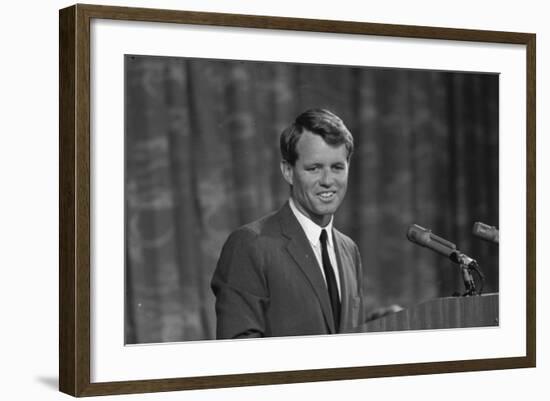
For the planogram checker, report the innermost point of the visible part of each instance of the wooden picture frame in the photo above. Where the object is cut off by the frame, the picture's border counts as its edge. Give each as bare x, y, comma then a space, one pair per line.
75, 199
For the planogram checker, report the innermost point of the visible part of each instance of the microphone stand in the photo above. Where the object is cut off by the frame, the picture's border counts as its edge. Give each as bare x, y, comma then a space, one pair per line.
469, 282
468, 266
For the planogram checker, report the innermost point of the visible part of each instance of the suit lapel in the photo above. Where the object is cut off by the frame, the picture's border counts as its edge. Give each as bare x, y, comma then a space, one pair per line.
344, 284
300, 250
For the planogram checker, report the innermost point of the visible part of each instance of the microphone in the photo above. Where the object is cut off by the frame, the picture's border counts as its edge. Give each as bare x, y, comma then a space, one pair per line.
424, 237
486, 232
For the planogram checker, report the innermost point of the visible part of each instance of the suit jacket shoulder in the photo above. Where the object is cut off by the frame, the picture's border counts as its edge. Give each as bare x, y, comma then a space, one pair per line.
344, 240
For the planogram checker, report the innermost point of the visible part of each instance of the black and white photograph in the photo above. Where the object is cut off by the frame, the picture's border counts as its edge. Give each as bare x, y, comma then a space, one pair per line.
272, 199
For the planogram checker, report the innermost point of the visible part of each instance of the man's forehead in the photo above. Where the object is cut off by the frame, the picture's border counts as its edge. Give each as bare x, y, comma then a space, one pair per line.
311, 151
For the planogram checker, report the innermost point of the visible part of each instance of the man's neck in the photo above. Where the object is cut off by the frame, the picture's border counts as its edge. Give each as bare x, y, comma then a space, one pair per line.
295, 206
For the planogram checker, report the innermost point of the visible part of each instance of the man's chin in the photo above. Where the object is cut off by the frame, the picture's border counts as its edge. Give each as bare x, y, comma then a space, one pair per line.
326, 210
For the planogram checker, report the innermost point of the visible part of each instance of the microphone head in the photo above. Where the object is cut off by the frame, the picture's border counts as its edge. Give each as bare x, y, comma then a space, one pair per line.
486, 232
418, 235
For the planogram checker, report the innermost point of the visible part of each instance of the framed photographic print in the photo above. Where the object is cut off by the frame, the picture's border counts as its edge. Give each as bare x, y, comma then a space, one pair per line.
250, 200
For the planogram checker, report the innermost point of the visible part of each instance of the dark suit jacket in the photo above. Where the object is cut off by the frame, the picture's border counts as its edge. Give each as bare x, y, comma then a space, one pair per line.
269, 283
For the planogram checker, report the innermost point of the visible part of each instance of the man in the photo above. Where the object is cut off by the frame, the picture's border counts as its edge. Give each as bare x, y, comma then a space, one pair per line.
291, 273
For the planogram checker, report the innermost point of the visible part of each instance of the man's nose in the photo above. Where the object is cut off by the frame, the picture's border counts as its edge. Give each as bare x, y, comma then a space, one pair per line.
326, 178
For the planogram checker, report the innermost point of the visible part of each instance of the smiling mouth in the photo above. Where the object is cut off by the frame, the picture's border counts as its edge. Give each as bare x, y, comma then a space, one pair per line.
327, 196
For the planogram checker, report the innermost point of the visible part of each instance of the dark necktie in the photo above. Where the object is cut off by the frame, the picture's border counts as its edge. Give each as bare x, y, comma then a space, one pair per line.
331, 281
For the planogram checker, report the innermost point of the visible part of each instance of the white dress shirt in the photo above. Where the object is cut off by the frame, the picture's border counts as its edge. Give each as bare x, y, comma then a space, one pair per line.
313, 234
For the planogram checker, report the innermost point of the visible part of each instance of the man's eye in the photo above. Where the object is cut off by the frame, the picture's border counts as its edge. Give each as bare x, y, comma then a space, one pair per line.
313, 168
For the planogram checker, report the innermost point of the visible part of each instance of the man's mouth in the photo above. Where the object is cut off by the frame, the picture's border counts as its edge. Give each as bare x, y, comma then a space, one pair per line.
327, 195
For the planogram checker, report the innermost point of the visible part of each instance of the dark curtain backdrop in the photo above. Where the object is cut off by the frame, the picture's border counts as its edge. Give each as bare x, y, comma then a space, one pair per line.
202, 159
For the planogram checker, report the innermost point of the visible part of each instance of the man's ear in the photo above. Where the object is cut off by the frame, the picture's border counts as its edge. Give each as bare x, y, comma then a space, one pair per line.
287, 171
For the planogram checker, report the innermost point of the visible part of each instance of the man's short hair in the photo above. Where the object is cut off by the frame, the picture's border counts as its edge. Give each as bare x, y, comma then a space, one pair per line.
320, 122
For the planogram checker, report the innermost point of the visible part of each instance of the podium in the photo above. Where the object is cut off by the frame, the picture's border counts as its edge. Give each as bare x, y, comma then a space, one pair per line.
441, 313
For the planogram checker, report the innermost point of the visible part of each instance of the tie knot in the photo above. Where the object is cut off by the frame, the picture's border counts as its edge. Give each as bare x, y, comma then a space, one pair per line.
324, 237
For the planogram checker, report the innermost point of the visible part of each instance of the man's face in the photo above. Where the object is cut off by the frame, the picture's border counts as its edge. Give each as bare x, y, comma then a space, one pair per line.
319, 177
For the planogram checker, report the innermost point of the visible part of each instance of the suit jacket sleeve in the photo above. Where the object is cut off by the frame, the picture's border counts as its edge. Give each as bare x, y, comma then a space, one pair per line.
360, 287
240, 287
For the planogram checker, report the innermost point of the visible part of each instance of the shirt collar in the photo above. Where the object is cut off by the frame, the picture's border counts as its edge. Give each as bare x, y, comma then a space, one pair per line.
312, 230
